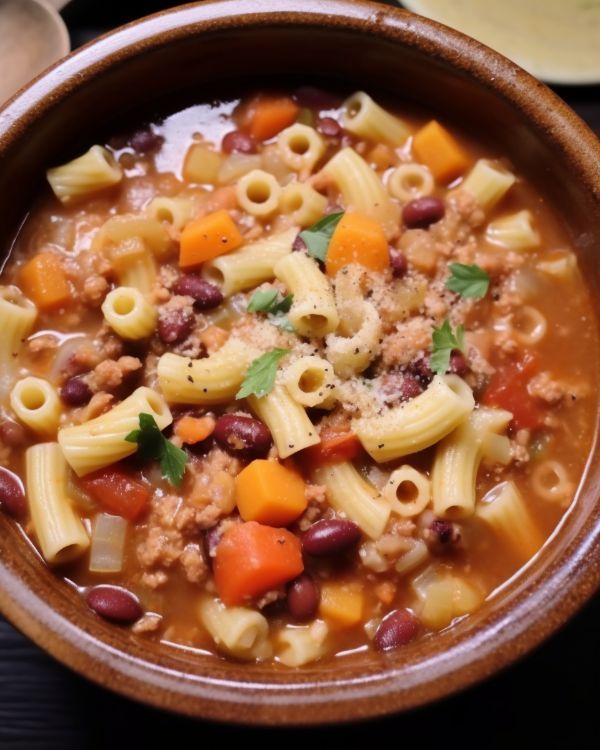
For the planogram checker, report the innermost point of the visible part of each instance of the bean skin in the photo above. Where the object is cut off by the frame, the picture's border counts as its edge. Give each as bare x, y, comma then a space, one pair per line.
422, 212
329, 127
145, 141
114, 603
242, 436
12, 434
75, 392
458, 363
206, 296
298, 245
398, 263
303, 598
395, 630
397, 386
174, 326
238, 141
12, 495
330, 537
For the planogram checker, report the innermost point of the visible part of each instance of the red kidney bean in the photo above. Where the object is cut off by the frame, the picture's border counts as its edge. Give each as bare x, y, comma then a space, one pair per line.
442, 536
12, 494
395, 630
237, 140
114, 603
75, 392
422, 370
146, 141
397, 386
422, 212
329, 127
398, 263
12, 434
330, 536
458, 363
242, 436
316, 98
205, 295
298, 245
175, 325
303, 598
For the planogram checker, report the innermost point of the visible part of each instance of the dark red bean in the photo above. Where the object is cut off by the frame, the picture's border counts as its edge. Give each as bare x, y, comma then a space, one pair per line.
398, 263
114, 603
330, 536
12, 494
316, 98
175, 325
206, 295
422, 370
398, 386
298, 245
212, 537
458, 364
422, 212
146, 141
395, 630
442, 536
12, 434
303, 598
75, 392
329, 127
242, 436
238, 141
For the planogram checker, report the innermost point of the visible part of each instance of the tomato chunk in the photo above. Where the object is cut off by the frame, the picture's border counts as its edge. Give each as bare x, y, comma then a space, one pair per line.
508, 390
117, 491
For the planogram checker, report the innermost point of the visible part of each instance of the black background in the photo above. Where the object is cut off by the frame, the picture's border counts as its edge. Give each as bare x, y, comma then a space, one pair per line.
549, 699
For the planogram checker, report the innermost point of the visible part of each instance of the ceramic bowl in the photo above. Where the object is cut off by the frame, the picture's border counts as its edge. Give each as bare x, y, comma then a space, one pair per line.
198, 51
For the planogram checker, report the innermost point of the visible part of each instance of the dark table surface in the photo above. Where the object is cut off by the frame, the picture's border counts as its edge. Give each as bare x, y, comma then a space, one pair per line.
548, 699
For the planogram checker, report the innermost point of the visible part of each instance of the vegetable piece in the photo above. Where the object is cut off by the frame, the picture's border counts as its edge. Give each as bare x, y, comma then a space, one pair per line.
193, 430
265, 116
335, 447
252, 559
435, 147
317, 237
44, 281
267, 492
508, 390
260, 376
471, 282
154, 446
117, 492
357, 239
108, 544
444, 342
207, 237
341, 604
266, 301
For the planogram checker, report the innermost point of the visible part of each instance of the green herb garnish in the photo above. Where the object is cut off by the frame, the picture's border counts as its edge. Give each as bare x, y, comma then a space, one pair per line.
154, 446
468, 281
260, 376
267, 301
317, 237
444, 341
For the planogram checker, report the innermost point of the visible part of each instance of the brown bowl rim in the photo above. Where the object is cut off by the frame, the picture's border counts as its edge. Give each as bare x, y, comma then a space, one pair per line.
515, 627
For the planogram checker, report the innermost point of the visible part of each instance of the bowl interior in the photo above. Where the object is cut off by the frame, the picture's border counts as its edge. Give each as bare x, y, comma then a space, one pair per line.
196, 54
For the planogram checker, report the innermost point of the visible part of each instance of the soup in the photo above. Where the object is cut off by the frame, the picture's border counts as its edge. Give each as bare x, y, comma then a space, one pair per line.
285, 378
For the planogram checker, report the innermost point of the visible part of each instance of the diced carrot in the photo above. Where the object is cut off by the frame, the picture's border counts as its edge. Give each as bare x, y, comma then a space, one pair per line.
341, 603
44, 281
194, 429
334, 448
117, 492
437, 149
267, 492
207, 237
265, 116
508, 390
213, 338
251, 559
357, 239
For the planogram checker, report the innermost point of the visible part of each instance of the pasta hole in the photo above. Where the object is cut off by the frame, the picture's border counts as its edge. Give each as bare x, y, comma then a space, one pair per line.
294, 203
214, 275
124, 304
317, 323
311, 381
454, 513
33, 398
299, 145
165, 214
258, 192
407, 491
353, 108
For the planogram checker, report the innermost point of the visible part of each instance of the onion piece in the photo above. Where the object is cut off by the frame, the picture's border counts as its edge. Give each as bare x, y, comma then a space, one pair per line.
108, 544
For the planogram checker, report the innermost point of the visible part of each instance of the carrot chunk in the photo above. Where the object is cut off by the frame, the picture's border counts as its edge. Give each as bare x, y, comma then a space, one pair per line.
342, 604
44, 281
435, 147
207, 237
265, 116
117, 492
251, 559
267, 492
194, 429
357, 239
335, 447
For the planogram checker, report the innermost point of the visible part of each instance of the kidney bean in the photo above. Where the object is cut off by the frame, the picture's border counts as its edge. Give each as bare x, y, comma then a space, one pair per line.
395, 630
243, 436
75, 392
422, 370
237, 140
12, 434
205, 295
458, 363
329, 127
398, 263
330, 536
442, 536
145, 141
212, 537
114, 603
12, 495
316, 98
298, 245
397, 386
422, 212
175, 325
303, 598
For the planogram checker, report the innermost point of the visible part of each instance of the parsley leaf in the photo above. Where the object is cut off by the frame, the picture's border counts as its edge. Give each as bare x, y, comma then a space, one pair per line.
468, 281
266, 301
154, 446
260, 376
316, 238
282, 321
444, 341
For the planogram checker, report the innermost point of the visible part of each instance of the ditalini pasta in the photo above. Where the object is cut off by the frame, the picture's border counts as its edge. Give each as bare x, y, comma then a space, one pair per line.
289, 374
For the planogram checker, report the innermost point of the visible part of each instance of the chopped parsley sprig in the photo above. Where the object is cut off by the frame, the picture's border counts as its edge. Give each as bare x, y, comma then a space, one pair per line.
317, 237
471, 282
154, 446
260, 376
445, 340
268, 301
